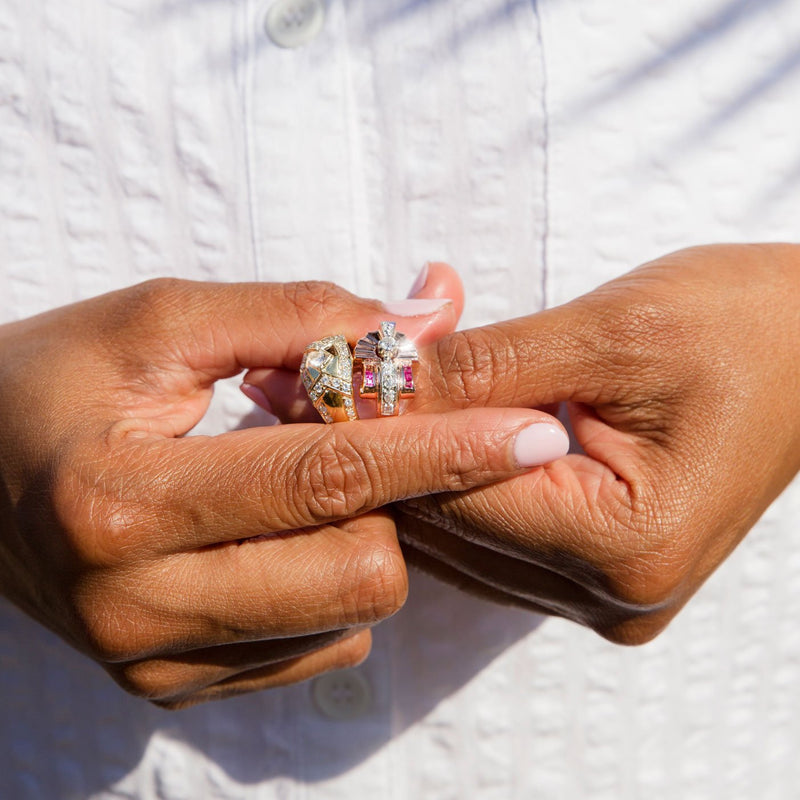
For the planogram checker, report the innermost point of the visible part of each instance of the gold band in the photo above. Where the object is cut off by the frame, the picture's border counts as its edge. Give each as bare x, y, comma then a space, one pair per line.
327, 373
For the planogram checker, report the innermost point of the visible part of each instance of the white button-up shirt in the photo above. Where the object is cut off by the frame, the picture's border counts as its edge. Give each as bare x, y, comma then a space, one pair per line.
541, 146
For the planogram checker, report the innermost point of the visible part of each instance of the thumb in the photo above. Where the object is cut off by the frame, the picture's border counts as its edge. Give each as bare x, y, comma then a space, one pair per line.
437, 280
216, 329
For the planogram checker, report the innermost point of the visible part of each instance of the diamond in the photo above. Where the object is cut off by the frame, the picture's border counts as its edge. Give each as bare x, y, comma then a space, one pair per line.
388, 329
316, 360
317, 391
388, 380
387, 347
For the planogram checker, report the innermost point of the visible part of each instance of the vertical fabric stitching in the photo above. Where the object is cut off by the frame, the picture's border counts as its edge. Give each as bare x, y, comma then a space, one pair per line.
546, 160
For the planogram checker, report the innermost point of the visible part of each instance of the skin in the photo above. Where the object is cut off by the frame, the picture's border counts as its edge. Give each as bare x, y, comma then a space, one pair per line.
194, 568
682, 384
681, 380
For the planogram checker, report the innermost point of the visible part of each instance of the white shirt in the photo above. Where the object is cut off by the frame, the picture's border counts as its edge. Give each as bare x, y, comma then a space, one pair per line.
541, 147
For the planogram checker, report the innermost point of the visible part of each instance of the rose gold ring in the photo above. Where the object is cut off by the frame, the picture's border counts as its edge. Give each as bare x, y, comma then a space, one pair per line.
386, 358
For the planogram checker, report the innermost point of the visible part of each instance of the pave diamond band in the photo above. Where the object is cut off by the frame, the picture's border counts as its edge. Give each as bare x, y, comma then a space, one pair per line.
386, 358
327, 374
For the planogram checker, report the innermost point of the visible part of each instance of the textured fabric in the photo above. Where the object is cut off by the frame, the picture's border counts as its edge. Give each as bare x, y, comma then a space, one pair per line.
542, 147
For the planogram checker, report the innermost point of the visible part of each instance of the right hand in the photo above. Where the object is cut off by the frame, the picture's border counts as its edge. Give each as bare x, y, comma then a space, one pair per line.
197, 567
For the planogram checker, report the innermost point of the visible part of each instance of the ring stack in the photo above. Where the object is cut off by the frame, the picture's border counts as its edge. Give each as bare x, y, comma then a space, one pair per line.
327, 374
387, 357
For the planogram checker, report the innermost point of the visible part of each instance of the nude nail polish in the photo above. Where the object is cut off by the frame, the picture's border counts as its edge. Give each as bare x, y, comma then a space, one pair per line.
540, 443
414, 307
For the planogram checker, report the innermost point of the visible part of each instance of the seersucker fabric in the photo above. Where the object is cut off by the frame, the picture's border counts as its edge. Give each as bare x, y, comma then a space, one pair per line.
542, 147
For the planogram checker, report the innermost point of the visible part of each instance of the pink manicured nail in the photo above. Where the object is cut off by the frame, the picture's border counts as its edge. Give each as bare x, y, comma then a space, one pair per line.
539, 444
257, 396
420, 282
416, 308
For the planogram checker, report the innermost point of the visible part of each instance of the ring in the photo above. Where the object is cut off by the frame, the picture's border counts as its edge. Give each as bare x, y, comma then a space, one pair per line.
386, 357
327, 373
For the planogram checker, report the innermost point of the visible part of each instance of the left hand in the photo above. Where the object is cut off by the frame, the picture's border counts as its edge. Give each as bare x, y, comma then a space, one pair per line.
190, 567
682, 382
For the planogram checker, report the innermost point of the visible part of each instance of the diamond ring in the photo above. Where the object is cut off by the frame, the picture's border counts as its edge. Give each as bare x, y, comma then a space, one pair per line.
386, 358
327, 373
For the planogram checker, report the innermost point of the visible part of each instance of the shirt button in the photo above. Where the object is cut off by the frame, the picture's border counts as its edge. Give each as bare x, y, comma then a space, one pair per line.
345, 694
292, 23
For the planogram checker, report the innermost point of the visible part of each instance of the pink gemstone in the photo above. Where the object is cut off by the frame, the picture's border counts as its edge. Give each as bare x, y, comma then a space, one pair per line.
408, 377
369, 378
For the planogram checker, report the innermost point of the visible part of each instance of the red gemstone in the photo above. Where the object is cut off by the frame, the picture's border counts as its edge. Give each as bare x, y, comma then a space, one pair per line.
369, 378
408, 377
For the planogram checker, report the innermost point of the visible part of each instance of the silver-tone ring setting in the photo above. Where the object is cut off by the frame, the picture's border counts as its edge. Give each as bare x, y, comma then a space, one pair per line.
386, 357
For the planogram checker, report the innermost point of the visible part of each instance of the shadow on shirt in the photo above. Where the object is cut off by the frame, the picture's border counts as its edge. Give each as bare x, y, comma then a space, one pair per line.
69, 731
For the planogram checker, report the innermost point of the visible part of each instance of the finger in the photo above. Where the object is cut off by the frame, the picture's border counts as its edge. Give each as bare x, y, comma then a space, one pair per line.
604, 565
621, 626
309, 582
286, 477
452, 575
348, 653
501, 577
527, 362
569, 354
187, 673
584, 351
539, 518
440, 281
281, 392
219, 329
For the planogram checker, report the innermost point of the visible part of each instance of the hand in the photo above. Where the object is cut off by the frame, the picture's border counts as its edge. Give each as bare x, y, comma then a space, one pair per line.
682, 382
198, 567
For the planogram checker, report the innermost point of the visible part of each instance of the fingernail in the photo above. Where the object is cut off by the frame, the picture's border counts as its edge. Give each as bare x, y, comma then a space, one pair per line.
257, 396
420, 282
539, 444
416, 307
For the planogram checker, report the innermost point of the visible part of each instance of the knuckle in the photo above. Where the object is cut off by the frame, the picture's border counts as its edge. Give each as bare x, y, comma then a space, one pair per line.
107, 632
468, 362
646, 583
641, 335
634, 631
650, 563
452, 462
374, 582
93, 534
158, 290
313, 298
149, 302
335, 480
96, 511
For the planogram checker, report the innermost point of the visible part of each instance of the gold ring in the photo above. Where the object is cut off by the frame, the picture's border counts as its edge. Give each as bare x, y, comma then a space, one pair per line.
327, 373
387, 375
